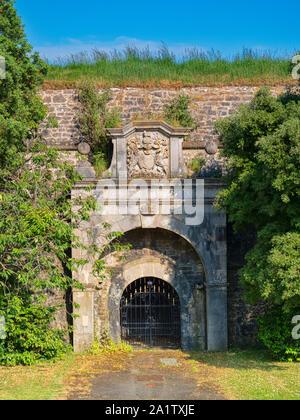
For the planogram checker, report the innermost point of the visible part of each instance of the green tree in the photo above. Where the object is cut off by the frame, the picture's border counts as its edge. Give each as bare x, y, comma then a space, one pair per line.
21, 109
37, 224
38, 218
262, 147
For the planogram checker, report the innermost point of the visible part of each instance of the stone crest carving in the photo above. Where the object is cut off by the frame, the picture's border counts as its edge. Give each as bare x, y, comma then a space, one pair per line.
148, 155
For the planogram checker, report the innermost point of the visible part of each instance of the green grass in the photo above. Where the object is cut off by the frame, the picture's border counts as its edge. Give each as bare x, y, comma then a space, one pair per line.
239, 375
252, 375
38, 382
142, 68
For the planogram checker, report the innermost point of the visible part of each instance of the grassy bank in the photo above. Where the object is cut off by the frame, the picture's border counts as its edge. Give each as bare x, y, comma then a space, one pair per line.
133, 67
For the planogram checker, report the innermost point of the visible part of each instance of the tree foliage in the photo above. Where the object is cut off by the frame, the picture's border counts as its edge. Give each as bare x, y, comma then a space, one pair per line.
262, 146
21, 109
38, 221
38, 217
275, 332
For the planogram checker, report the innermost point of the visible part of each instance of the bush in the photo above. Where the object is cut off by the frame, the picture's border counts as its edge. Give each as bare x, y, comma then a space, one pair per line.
197, 164
178, 113
28, 336
275, 331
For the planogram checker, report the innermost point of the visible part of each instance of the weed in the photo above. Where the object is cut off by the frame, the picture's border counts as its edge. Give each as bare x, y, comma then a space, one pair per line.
197, 164
177, 113
107, 345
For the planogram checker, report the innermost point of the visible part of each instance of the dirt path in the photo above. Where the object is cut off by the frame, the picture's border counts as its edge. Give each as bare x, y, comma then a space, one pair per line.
144, 376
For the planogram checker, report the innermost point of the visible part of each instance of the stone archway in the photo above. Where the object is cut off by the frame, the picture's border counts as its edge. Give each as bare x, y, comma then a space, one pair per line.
172, 260
206, 241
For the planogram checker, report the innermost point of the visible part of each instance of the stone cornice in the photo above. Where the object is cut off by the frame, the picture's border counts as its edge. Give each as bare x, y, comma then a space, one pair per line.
210, 183
161, 126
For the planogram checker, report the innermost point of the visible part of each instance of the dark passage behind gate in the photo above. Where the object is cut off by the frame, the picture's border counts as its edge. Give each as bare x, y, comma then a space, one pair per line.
150, 314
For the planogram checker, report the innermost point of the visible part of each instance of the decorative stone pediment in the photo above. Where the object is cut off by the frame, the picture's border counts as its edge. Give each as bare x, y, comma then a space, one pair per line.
147, 149
148, 155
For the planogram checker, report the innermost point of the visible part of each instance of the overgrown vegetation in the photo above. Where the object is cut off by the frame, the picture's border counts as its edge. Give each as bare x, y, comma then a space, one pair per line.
29, 339
262, 144
134, 67
37, 216
275, 332
197, 164
21, 109
94, 118
38, 221
106, 345
178, 113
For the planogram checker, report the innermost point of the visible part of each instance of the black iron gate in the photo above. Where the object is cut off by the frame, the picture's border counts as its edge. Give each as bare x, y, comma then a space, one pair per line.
150, 314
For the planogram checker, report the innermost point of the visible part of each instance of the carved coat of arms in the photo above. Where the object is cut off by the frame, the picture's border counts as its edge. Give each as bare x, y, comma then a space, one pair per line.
148, 155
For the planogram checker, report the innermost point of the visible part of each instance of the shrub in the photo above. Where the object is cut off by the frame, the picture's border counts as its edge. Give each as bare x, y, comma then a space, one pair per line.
178, 113
21, 109
275, 331
197, 164
28, 336
94, 118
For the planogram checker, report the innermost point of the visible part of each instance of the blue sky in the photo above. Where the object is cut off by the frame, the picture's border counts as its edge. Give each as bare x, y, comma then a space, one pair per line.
60, 27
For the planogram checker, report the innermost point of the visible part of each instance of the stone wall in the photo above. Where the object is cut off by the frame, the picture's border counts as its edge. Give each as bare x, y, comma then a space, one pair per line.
208, 105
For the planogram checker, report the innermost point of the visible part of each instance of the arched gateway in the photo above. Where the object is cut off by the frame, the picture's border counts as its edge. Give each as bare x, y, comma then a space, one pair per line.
172, 288
150, 314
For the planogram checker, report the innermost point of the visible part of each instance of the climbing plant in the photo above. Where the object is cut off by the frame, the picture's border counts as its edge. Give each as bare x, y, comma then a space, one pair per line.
94, 118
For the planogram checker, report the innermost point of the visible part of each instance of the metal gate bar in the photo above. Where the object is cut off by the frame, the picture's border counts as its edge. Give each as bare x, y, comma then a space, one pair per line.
150, 314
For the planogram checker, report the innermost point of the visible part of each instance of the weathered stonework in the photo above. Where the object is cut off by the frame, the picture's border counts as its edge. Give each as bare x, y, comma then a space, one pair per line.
148, 150
193, 260
148, 155
192, 257
161, 254
207, 105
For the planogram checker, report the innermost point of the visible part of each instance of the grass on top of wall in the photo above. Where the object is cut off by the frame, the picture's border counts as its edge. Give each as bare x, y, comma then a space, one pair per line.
142, 68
